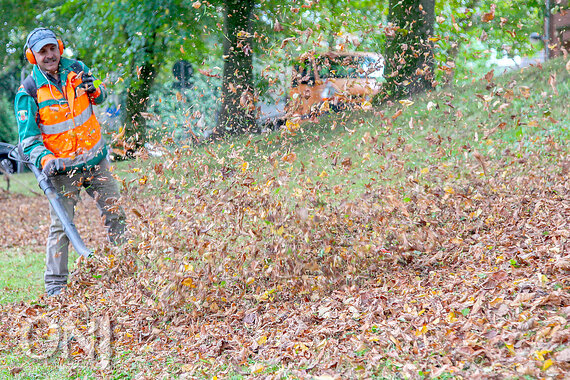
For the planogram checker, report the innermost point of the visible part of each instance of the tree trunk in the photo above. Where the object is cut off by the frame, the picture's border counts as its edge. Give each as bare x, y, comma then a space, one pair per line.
237, 112
409, 54
138, 96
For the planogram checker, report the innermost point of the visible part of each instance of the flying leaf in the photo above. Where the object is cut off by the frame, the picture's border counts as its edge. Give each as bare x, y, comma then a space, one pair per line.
324, 107
552, 83
525, 91
292, 126
286, 41
489, 16
547, 364
395, 115
289, 157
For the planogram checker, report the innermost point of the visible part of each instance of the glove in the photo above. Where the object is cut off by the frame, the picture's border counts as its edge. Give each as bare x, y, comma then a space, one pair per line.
53, 166
88, 83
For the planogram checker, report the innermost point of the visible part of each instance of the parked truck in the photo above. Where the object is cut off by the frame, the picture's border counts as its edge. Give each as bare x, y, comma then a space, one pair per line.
333, 80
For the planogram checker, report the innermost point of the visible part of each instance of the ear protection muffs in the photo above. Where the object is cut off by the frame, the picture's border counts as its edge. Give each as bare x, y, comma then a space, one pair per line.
30, 54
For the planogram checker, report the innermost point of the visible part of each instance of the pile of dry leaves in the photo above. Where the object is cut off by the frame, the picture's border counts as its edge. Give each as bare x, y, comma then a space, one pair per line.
468, 278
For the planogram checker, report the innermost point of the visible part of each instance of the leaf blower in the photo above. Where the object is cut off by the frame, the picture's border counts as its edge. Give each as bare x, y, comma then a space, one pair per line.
55, 201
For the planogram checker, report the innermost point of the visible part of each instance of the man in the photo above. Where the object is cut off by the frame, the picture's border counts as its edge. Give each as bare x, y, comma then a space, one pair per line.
60, 133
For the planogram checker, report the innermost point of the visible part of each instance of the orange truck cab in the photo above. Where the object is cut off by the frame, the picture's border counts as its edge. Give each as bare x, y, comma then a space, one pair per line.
333, 80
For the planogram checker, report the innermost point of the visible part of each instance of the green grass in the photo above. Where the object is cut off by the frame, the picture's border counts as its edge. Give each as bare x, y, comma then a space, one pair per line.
49, 369
57, 367
14, 363
25, 183
21, 278
432, 141
22, 183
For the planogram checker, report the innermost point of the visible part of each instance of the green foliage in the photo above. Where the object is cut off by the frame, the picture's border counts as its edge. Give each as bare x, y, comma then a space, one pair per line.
18, 19
133, 44
323, 25
469, 31
182, 115
118, 34
133, 41
8, 128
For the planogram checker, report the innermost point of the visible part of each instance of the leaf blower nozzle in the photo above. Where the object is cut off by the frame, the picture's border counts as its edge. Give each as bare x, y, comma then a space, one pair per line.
56, 203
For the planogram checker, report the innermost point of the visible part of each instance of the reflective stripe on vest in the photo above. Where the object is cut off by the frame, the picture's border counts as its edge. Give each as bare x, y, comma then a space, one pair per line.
84, 157
66, 125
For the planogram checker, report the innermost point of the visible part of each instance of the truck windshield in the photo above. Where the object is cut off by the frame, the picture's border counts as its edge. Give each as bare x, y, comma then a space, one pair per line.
303, 73
349, 67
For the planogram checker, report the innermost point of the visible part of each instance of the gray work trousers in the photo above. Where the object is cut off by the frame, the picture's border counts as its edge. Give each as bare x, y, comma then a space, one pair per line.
101, 186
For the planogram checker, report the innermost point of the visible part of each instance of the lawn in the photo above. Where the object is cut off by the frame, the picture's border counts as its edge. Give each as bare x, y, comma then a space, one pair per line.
21, 278
428, 238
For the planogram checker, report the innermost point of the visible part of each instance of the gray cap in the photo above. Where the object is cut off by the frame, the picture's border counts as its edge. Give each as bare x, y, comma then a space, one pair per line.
39, 38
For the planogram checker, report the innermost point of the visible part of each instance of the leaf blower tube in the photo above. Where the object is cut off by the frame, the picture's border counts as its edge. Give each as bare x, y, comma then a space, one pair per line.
55, 201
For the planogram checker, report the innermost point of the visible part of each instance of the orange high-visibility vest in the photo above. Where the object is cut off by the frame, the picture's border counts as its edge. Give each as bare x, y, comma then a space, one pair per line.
68, 125
58, 119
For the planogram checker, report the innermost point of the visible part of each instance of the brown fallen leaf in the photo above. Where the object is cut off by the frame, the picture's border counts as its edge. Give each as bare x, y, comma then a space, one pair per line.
16, 370
495, 279
277, 26
522, 297
564, 355
477, 305
489, 16
208, 73
527, 325
563, 263
479, 158
552, 83
503, 310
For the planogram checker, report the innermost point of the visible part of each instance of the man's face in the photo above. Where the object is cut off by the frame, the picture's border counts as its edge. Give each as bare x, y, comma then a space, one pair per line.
48, 58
